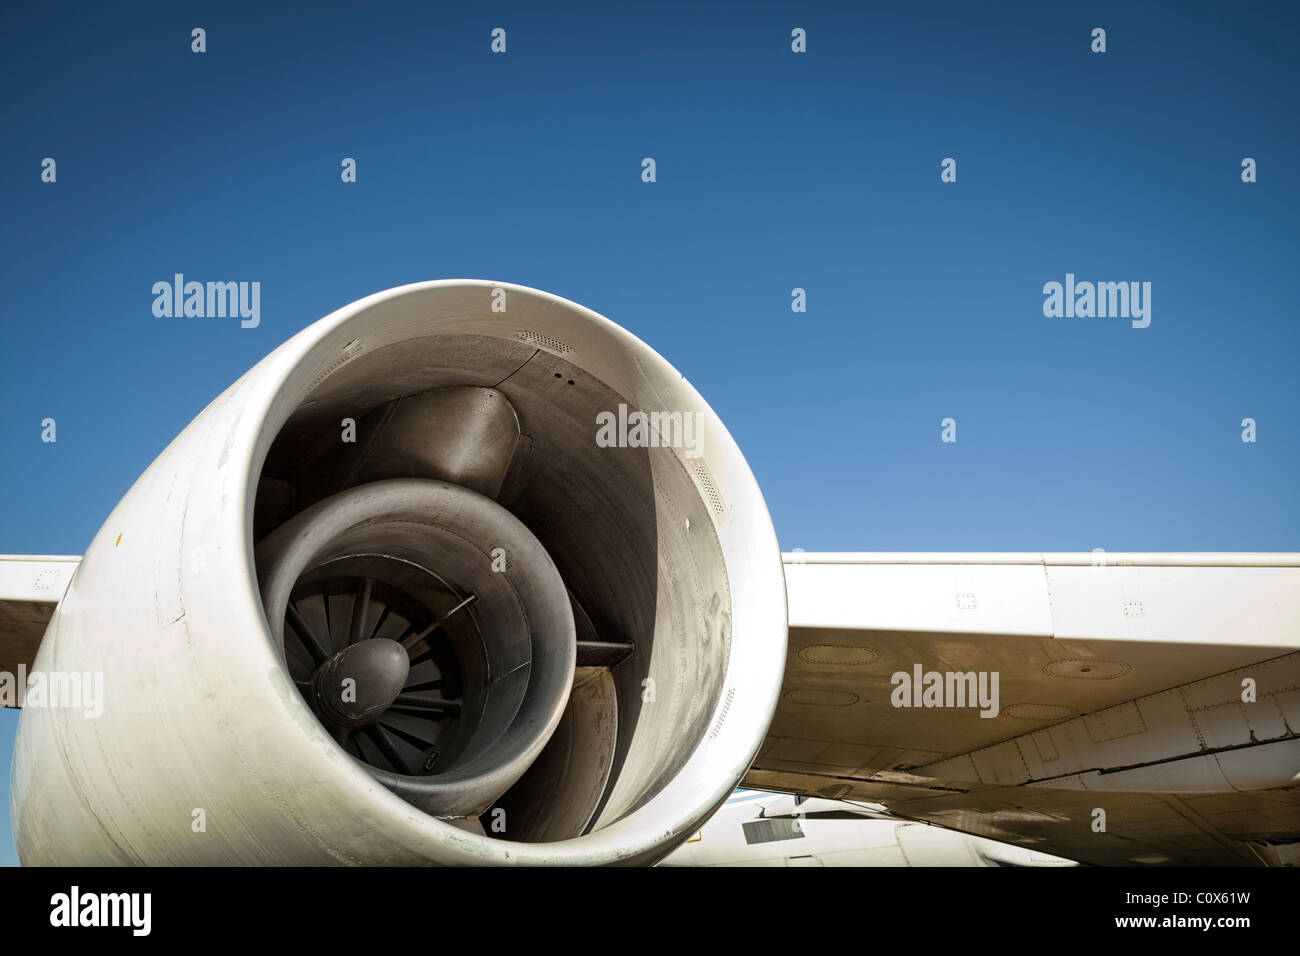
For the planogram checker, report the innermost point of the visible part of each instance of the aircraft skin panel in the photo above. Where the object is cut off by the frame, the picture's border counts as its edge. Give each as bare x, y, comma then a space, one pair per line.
38, 579
1181, 598
774, 829
31, 586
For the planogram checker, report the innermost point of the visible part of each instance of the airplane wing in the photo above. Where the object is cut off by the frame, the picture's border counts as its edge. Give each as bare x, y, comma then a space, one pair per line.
1146, 704
1124, 685
30, 589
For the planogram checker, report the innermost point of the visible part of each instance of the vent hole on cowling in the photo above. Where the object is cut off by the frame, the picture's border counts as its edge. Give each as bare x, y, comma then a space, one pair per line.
543, 342
710, 490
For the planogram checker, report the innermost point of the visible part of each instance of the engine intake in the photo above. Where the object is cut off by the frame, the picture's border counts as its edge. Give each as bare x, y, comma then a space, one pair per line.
516, 620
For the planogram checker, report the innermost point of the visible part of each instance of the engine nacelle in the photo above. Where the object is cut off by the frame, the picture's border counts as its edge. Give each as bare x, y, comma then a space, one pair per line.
461, 573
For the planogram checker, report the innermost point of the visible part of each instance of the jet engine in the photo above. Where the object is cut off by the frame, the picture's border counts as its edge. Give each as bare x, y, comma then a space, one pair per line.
463, 573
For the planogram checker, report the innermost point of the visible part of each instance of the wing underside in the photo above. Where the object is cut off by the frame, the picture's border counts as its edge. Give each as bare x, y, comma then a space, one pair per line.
1146, 705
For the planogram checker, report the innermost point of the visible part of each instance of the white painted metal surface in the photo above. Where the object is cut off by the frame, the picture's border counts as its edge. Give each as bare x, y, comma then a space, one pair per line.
199, 714
1245, 599
40, 579
766, 829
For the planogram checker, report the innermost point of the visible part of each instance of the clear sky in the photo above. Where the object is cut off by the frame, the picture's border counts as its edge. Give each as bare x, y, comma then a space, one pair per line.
775, 170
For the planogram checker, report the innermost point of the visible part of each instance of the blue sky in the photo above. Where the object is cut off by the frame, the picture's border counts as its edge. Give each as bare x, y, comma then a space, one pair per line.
775, 170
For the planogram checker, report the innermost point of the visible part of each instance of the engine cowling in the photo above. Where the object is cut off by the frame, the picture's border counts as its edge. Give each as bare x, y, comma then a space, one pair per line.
461, 573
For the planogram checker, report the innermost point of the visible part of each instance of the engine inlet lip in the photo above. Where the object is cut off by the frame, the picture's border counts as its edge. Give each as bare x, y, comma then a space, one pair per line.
294, 374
